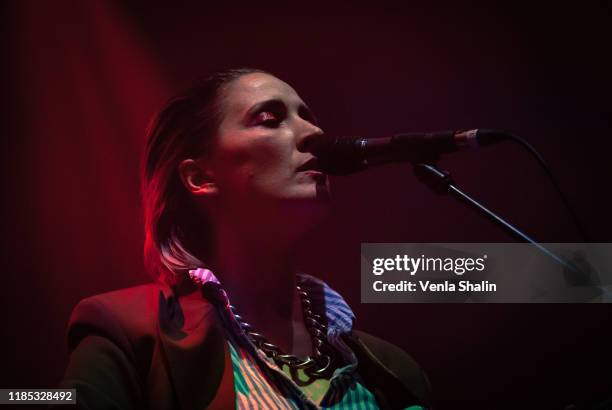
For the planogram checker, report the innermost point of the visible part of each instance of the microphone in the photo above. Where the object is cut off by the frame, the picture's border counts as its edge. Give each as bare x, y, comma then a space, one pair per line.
347, 155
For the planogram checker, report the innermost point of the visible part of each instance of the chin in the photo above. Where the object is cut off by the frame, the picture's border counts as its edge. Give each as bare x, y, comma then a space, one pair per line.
316, 194
307, 203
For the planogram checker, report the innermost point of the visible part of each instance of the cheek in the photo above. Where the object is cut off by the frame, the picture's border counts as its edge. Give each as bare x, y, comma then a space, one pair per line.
261, 163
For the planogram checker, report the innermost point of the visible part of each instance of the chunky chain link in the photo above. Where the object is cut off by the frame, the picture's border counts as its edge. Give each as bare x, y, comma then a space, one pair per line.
320, 365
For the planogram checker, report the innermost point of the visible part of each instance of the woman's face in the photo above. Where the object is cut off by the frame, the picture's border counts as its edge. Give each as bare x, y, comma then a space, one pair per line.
260, 156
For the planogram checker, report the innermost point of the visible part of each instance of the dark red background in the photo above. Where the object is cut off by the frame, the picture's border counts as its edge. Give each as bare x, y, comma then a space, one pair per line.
82, 78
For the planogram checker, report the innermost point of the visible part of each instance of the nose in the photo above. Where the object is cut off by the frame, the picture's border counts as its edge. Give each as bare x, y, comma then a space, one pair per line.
308, 137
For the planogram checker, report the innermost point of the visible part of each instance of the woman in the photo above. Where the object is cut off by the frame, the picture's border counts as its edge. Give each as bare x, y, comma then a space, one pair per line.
230, 189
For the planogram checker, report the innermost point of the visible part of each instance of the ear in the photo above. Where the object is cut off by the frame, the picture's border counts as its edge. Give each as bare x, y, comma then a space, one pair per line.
196, 178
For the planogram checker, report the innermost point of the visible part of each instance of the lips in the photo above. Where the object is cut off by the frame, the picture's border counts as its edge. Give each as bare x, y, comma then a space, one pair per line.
310, 165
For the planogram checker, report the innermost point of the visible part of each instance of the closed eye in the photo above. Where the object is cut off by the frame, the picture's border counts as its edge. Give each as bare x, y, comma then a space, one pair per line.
267, 118
272, 112
269, 113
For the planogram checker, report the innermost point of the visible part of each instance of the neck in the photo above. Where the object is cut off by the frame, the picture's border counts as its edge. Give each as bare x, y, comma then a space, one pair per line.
257, 270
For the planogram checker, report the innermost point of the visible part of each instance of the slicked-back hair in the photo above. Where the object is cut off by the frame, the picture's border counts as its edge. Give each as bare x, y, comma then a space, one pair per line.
177, 237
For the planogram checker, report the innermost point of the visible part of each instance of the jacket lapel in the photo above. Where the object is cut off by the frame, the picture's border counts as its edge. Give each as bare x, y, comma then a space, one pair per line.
391, 391
195, 351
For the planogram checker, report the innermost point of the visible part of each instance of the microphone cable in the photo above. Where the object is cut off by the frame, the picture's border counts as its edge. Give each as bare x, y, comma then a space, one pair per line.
523, 143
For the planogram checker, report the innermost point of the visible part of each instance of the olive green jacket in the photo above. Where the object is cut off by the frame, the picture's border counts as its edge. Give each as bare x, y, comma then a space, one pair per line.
158, 347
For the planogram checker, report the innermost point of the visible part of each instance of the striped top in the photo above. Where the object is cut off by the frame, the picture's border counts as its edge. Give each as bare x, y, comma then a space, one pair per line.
260, 384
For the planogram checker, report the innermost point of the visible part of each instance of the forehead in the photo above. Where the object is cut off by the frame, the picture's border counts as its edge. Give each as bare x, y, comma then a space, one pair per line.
254, 88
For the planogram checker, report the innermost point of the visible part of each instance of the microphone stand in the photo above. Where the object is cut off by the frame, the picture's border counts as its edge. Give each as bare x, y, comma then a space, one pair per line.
442, 183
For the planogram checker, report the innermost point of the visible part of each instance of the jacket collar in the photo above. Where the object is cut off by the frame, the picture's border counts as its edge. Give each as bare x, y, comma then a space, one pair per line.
195, 350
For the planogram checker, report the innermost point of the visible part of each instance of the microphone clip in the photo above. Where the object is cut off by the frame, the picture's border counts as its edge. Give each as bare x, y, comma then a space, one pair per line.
437, 179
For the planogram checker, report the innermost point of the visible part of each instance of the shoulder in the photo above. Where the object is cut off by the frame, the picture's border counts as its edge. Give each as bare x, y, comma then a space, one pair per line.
397, 362
128, 317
